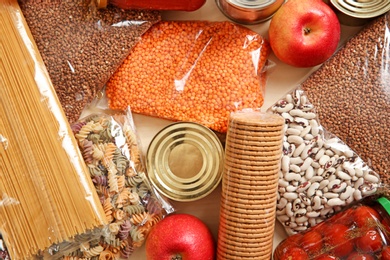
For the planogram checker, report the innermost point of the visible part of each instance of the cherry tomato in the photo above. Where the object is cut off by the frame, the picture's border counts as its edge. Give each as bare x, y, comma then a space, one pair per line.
336, 237
364, 216
386, 224
360, 256
295, 253
370, 241
344, 217
291, 241
326, 257
311, 242
386, 253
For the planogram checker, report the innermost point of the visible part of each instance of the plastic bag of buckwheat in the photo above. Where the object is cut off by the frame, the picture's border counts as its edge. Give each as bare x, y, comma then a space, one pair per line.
319, 174
82, 46
351, 93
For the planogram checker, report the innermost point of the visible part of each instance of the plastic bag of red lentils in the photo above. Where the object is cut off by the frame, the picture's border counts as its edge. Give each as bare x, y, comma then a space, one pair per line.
195, 71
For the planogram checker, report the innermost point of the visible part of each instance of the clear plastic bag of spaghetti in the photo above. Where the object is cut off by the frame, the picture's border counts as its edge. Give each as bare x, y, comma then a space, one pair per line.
196, 71
82, 45
112, 152
46, 193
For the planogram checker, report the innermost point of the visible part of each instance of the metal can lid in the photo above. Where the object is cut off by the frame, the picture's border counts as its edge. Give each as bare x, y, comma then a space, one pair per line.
185, 161
362, 8
255, 4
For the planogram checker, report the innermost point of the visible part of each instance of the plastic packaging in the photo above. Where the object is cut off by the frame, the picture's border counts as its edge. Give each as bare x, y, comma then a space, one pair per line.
351, 93
82, 46
46, 194
172, 5
319, 173
360, 231
249, 185
195, 71
110, 147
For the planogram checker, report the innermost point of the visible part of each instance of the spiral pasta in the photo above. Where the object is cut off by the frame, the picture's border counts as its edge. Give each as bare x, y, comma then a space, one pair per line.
115, 165
94, 251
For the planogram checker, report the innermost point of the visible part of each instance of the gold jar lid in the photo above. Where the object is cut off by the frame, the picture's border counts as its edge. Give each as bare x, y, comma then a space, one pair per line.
185, 161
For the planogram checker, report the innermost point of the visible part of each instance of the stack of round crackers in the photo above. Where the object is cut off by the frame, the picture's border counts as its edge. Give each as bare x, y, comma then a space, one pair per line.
249, 185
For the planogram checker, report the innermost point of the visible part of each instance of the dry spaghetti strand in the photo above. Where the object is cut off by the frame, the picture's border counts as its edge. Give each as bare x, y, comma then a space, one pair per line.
46, 193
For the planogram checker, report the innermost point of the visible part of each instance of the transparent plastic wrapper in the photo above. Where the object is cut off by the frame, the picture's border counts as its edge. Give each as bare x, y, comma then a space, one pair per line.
46, 194
249, 185
319, 174
196, 71
82, 46
173, 5
359, 231
110, 147
351, 93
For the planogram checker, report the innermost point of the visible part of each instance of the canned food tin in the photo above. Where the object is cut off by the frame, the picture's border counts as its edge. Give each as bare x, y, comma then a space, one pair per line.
249, 11
185, 161
359, 12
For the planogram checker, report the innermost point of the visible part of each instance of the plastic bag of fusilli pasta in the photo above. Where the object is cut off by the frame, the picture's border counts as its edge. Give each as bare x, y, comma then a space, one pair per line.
111, 150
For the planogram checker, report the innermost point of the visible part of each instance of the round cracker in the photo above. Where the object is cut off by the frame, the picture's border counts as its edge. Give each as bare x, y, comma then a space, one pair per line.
244, 252
260, 146
264, 176
256, 118
255, 178
231, 188
250, 192
245, 239
229, 209
251, 157
253, 136
260, 165
266, 223
255, 148
267, 170
241, 246
249, 219
265, 201
261, 234
243, 131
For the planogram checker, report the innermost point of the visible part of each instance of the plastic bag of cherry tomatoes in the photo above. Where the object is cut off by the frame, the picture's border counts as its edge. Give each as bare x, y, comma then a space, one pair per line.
359, 232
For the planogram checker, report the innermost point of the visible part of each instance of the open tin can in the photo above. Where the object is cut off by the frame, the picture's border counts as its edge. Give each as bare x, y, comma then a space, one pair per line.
249, 11
185, 161
359, 12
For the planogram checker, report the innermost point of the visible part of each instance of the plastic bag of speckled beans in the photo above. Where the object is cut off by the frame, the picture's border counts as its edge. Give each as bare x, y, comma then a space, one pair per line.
319, 173
82, 46
195, 71
111, 149
351, 92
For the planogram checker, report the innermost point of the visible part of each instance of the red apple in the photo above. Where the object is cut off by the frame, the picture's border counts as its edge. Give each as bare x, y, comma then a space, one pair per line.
180, 237
304, 33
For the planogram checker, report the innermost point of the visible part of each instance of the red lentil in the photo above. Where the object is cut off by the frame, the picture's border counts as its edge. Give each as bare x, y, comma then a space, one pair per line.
195, 71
